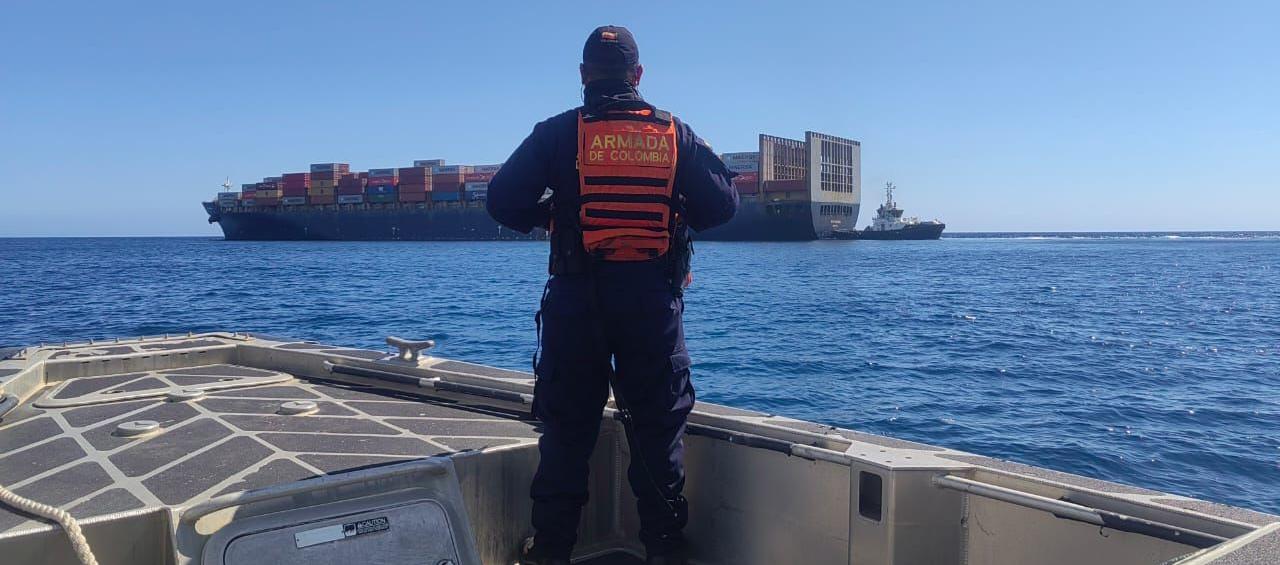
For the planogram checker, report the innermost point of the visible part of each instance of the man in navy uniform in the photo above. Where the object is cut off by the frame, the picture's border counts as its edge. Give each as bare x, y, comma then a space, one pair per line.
628, 182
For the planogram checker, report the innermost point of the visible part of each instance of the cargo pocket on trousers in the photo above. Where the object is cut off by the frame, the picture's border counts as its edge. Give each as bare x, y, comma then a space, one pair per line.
543, 377
679, 378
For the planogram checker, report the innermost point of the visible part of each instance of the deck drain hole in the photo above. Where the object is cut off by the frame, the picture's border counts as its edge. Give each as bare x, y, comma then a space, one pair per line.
138, 428
117, 391
227, 379
298, 407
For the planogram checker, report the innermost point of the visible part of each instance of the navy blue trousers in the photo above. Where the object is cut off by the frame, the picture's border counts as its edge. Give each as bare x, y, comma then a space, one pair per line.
624, 326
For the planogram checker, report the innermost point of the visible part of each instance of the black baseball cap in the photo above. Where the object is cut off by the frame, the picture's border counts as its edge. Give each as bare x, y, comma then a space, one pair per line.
611, 47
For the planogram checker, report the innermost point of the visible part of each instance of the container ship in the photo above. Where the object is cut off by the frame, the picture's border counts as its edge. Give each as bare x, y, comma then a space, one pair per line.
790, 190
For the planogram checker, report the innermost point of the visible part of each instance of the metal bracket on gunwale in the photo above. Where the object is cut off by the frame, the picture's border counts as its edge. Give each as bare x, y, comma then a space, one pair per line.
433, 383
409, 349
1080, 513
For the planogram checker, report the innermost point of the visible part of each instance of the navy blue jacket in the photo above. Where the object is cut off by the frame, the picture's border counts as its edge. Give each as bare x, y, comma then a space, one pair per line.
548, 159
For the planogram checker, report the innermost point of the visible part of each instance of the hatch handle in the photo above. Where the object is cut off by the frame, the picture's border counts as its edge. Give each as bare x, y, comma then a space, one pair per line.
409, 349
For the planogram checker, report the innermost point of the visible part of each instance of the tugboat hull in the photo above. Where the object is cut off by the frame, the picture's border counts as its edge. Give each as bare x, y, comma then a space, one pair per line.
912, 232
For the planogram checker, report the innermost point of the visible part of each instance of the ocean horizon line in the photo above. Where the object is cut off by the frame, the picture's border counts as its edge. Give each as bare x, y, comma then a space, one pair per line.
1005, 234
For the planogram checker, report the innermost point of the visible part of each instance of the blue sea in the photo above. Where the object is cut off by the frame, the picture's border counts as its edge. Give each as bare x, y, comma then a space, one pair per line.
1147, 359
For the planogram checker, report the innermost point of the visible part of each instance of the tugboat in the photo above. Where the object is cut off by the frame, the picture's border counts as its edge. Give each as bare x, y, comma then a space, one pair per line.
889, 224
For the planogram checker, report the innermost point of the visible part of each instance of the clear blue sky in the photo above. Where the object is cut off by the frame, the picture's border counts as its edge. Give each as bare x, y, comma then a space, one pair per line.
117, 118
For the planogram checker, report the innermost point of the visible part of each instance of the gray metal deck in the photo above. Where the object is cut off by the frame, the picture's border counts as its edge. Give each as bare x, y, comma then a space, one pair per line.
228, 441
763, 488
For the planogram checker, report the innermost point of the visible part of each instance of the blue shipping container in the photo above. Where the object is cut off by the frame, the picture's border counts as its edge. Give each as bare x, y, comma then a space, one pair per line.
444, 196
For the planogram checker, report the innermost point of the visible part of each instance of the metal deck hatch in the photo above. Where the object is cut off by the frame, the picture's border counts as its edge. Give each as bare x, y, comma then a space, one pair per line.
417, 532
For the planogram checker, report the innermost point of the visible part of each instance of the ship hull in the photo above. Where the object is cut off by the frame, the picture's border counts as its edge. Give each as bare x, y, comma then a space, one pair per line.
784, 221
755, 221
915, 233
470, 223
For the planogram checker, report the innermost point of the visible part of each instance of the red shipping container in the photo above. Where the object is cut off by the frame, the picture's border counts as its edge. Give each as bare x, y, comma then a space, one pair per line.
363, 175
351, 184
295, 176
382, 182
293, 191
326, 199
451, 186
406, 186
455, 178
747, 183
477, 177
327, 175
793, 185
413, 196
414, 172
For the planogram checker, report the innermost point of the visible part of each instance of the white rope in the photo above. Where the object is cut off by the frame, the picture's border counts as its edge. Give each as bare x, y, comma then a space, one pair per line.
68, 523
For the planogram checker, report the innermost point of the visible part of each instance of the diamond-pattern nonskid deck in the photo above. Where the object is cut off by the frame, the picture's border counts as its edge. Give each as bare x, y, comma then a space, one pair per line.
230, 440
129, 386
224, 429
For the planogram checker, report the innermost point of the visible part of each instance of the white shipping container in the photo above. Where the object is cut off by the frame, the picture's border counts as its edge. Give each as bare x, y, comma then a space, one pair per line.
450, 169
228, 195
350, 198
474, 186
478, 195
750, 156
742, 162
248, 202
486, 168
293, 200
428, 162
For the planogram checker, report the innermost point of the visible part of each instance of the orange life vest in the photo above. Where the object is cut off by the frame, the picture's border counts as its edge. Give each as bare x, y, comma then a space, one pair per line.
626, 170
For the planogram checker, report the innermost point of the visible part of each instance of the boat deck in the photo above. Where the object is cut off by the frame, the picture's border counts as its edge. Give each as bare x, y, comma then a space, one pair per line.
63, 450
154, 438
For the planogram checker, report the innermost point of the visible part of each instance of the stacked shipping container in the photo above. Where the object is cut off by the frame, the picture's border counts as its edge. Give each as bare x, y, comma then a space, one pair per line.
415, 183
447, 182
324, 182
381, 185
476, 183
350, 189
247, 193
334, 183
747, 165
268, 193
748, 184
295, 184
